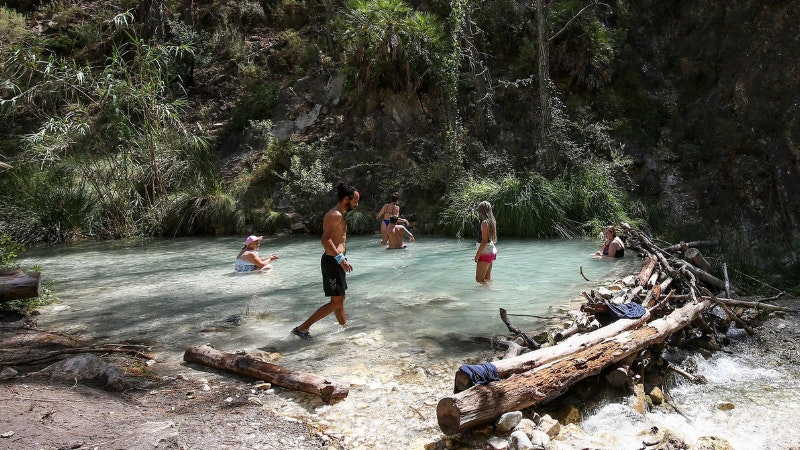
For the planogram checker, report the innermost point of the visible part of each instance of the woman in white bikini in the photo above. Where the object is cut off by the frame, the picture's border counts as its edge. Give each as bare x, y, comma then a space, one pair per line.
248, 260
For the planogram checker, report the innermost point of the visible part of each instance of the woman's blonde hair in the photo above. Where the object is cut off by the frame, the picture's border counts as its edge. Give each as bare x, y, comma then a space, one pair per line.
485, 213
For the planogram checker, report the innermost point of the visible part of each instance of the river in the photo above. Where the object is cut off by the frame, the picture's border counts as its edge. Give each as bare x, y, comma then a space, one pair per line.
412, 315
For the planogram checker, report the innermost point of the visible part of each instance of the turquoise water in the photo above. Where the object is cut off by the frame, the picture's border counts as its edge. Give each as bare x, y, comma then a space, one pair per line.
170, 293
412, 312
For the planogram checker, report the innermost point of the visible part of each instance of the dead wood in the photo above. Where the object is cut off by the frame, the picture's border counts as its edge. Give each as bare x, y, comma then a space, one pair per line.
732, 315
51, 355
326, 388
16, 284
648, 267
512, 328
483, 403
536, 358
676, 247
699, 379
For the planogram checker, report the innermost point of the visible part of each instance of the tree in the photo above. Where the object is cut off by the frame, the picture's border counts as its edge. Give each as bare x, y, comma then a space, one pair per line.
547, 158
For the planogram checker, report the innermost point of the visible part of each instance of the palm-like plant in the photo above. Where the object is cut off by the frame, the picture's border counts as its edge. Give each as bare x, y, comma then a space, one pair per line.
390, 45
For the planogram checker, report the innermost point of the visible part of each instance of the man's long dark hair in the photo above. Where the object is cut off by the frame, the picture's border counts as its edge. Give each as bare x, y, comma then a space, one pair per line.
345, 190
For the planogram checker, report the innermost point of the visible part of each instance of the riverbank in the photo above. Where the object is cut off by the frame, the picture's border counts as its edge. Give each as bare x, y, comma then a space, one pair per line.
178, 406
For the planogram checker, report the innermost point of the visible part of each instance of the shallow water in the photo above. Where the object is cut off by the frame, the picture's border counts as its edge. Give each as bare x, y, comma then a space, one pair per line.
412, 313
170, 293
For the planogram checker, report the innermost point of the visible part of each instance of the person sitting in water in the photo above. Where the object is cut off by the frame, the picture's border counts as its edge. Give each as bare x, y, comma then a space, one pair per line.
395, 233
248, 260
613, 247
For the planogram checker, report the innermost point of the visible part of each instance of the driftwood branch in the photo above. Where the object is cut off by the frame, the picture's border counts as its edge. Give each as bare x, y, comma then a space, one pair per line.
326, 388
71, 351
512, 328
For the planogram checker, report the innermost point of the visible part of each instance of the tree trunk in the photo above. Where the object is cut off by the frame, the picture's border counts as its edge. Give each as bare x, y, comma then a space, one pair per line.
545, 159
483, 403
536, 358
16, 284
326, 388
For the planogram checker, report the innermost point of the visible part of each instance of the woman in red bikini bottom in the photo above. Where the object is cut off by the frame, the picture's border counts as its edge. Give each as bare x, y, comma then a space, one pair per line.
487, 252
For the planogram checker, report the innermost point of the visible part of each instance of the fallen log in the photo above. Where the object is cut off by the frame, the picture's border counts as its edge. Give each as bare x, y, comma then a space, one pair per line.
16, 284
325, 387
536, 358
483, 403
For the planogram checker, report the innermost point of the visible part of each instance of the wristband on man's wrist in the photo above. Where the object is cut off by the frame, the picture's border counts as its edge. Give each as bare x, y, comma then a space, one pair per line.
339, 258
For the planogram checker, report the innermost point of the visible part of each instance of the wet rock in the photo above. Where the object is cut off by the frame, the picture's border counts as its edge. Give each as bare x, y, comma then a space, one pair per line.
568, 414
234, 319
656, 396
508, 421
540, 440
549, 425
724, 406
527, 426
653, 436
497, 443
712, 443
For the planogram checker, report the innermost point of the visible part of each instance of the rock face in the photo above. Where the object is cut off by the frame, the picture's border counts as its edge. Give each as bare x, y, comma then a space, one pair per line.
717, 75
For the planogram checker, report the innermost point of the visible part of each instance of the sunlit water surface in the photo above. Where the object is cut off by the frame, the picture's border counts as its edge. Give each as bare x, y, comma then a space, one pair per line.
412, 314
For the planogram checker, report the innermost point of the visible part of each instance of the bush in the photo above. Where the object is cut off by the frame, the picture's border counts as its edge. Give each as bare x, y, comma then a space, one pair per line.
578, 203
388, 45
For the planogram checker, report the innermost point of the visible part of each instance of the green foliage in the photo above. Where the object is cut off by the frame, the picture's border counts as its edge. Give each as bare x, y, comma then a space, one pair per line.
47, 205
255, 103
306, 186
195, 212
15, 34
527, 207
9, 252
576, 203
116, 130
360, 222
584, 51
388, 45
296, 53
293, 13
272, 222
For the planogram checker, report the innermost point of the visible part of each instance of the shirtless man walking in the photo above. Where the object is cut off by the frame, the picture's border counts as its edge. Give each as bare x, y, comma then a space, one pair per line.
395, 233
334, 264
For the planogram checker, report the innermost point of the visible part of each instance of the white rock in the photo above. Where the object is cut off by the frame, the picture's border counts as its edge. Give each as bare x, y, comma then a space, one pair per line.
497, 443
520, 441
527, 426
508, 421
540, 440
